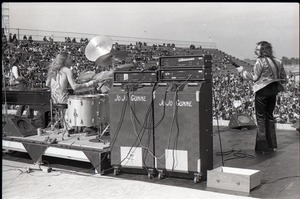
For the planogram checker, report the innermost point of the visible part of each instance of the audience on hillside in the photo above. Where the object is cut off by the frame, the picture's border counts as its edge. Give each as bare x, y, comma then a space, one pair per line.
231, 94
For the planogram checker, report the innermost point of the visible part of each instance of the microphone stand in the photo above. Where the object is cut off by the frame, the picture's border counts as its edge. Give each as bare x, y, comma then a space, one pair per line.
4, 88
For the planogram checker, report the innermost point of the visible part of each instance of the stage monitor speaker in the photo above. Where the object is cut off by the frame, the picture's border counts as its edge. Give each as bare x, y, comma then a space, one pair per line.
18, 127
296, 125
239, 121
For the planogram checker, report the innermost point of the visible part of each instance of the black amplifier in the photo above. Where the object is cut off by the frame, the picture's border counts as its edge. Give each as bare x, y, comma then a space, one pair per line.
200, 74
135, 76
189, 61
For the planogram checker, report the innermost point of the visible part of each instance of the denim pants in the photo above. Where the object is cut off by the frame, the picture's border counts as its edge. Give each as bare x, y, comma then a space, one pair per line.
265, 102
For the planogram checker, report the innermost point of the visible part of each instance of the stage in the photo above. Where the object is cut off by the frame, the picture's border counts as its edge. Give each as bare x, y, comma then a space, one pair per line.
280, 170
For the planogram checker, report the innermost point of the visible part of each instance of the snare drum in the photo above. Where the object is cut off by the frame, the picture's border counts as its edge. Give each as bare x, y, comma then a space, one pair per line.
84, 110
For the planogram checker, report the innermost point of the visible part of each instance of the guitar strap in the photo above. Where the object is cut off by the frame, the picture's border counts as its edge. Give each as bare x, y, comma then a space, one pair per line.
274, 68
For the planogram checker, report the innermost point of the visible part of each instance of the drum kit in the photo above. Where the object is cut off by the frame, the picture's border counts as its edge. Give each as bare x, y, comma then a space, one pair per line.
100, 50
91, 110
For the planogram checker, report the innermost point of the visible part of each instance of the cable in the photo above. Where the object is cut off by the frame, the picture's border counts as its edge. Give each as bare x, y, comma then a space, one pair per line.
236, 154
137, 134
164, 109
149, 109
176, 120
147, 120
14, 179
135, 131
281, 179
218, 130
120, 123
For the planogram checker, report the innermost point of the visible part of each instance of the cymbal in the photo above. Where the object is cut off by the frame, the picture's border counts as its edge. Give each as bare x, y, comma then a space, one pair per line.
86, 76
97, 47
124, 67
104, 60
104, 75
116, 55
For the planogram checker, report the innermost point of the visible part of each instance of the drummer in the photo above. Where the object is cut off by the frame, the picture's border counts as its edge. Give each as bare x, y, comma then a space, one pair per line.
59, 77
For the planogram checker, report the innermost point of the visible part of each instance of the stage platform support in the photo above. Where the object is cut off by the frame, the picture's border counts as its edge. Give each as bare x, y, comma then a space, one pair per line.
97, 154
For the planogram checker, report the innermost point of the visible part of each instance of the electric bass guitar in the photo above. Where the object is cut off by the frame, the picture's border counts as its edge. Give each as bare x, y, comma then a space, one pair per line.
227, 60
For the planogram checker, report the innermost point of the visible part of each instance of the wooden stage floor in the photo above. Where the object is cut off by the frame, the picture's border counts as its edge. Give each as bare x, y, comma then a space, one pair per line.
280, 169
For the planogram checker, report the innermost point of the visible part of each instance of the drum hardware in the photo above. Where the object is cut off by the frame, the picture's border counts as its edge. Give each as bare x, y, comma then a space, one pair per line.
100, 135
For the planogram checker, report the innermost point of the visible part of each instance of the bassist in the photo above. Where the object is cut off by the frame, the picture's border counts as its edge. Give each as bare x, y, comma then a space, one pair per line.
268, 76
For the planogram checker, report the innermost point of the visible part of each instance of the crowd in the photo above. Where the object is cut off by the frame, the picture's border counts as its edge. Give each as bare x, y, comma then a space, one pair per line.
231, 94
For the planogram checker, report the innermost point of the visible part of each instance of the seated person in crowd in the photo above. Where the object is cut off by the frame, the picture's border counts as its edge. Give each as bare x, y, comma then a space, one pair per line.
17, 80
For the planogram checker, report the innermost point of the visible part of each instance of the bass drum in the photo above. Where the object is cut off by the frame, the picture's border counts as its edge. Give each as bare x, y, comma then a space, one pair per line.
84, 110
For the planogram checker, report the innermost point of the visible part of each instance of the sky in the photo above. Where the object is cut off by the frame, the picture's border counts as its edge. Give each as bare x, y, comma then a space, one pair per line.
234, 27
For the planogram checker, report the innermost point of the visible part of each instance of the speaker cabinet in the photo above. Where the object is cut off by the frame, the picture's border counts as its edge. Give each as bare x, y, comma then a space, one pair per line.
183, 133
239, 121
296, 125
131, 129
18, 127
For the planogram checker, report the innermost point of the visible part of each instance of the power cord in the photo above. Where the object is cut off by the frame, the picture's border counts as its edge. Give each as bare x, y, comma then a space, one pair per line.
236, 154
286, 177
218, 129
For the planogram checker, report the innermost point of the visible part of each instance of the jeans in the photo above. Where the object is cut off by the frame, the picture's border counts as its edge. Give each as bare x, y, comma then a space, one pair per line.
265, 101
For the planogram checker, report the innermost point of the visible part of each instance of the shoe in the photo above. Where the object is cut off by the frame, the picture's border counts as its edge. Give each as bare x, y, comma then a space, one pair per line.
262, 151
261, 146
273, 149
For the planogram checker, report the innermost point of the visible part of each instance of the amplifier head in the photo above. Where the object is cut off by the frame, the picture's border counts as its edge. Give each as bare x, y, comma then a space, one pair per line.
135, 76
188, 61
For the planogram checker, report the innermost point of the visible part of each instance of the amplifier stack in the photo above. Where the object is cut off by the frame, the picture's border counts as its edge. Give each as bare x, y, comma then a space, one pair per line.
161, 120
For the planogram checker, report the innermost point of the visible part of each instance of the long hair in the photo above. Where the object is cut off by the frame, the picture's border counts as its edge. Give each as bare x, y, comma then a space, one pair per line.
57, 64
266, 49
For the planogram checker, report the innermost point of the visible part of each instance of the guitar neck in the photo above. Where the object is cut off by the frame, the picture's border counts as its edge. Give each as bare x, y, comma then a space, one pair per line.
228, 60
235, 64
